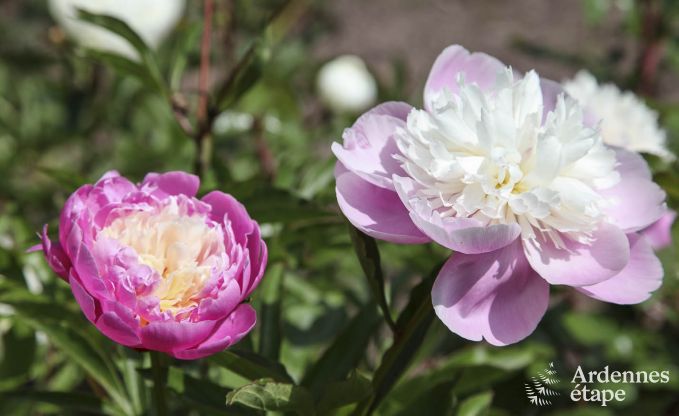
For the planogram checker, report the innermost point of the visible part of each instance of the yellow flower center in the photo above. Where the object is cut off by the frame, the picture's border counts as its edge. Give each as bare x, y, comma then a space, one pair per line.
182, 248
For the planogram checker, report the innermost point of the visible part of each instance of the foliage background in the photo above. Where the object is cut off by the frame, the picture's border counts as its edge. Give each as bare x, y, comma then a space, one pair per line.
67, 116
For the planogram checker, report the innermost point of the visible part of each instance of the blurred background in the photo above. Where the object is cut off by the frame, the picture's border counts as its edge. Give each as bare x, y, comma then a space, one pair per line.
258, 123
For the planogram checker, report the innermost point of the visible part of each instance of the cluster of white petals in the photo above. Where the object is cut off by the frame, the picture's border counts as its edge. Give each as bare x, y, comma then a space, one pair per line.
488, 155
625, 120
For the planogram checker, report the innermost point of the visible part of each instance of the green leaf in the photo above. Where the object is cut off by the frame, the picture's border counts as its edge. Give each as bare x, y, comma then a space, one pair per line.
590, 329
369, 256
71, 401
121, 64
250, 365
17, 353
411, 328
74, 344
122, 29
476, 405
342, 393
269, 395
345, 352
270, 323
249, 68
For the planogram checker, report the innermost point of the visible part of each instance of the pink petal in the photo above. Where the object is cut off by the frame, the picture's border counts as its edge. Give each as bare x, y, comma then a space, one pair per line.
496, 296
369, 146
634, 284
55, 255
637, 201
224, 205
84, 299
580, 264
167, 336
659, 234
455, 60
230, 330
227, 299
465, 235
376, 211
171, 183
119, 324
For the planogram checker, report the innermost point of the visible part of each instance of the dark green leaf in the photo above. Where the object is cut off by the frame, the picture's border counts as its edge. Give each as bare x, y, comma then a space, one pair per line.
476, 405
342, 393
272, 396
369, 256
411, 328
270, 324
345, 352
72, 401
250, 365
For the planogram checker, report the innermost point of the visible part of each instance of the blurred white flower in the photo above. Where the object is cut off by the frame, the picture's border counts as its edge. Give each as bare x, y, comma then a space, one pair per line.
625, 120
346, 85
151, 19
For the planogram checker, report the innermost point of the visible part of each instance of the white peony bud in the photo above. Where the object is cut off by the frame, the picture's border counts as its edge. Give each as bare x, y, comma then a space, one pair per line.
346, 86
151, 19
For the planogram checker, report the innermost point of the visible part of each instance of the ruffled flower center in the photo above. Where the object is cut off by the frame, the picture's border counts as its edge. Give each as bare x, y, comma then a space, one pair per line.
181, 247
491, 156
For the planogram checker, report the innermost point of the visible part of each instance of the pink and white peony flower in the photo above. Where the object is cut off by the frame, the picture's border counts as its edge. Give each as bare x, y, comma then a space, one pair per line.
153, 267
507, 171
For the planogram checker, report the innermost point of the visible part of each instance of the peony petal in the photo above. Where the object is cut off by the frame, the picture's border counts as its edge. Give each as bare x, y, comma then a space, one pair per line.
230, 330
455, 60
167, 336
225, 205
55, 255
659, 234
119, 324
214, 309
369, 146
465, 235
580, 264
496, 296
84, 299
171, 183
635, 283
637, 201
376, 211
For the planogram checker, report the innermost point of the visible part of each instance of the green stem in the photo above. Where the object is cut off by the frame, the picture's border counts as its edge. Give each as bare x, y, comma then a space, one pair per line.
159, 374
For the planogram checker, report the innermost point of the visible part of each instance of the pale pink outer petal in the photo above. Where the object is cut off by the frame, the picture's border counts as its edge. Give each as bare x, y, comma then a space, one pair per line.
580, 264
495, 295
86, 302
465, 235
636, 201
376, 211
118, 323
659, 234
455, 60
635, 283
230, 330
171, 183
369, 146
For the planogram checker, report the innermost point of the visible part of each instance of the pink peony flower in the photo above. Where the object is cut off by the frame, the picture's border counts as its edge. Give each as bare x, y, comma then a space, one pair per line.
153, 267
659, 234
507, 171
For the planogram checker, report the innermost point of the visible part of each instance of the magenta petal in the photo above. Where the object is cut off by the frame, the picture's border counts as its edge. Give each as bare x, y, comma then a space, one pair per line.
119, 325
637, 201
369, 146
465, 235
173, 335
496, 296
455, 60
55, 255
84, 299
230, 330
213, 309
580, 264
376, 211
659, 234
635, 283
225, 205
172, 183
